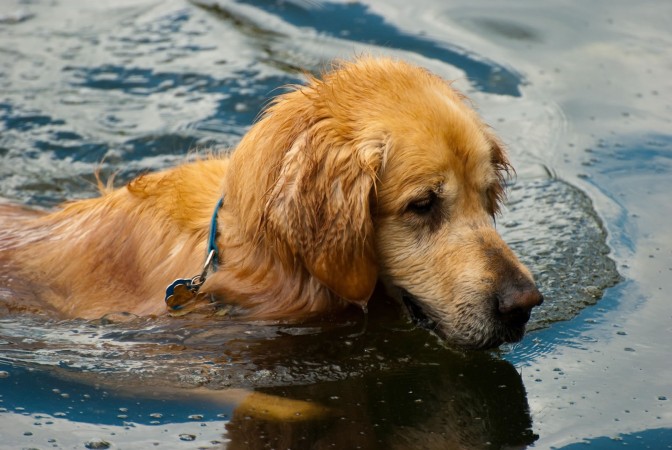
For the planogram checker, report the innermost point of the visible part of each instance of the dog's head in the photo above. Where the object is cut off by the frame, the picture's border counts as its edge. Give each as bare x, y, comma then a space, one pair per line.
387, 173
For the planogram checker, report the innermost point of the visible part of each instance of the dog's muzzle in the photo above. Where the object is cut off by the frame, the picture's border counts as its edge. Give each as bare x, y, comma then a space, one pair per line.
508, 314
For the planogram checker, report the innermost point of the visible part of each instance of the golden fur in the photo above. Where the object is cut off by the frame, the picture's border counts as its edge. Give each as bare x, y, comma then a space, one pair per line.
378, 171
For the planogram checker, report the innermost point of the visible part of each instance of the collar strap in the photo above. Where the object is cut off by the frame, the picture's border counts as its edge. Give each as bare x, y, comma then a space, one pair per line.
183, 290
212, 237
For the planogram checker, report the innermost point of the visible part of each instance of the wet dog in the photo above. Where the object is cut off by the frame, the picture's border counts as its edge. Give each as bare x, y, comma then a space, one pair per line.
378, 171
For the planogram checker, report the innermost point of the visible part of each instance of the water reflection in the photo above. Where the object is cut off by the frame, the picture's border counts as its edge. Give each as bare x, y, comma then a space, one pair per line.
463, 402
364, 381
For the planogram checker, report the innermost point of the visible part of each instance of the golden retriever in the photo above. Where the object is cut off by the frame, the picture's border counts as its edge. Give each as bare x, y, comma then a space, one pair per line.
379, 171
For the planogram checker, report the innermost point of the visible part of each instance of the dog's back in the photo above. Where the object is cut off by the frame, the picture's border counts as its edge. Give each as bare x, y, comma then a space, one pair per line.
81, 259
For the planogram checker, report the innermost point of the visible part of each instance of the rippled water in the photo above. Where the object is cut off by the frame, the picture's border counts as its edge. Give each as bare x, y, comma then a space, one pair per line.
581, 95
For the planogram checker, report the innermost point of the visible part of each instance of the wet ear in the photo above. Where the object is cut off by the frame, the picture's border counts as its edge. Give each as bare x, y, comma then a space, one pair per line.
319, 207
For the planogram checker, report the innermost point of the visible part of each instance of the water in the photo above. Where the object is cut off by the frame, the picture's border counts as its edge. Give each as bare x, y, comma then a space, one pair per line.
580, 93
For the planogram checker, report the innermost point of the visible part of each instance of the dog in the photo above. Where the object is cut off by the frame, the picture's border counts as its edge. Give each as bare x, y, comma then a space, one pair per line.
379, 171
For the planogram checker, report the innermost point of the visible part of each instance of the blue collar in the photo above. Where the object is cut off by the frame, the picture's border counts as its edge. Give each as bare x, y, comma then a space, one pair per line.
212, 238
184, 290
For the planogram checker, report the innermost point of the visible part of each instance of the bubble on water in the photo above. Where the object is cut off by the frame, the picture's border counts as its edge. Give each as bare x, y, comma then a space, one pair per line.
511, 224
15, 17
97, 443
4, 374
195, 417
187, 437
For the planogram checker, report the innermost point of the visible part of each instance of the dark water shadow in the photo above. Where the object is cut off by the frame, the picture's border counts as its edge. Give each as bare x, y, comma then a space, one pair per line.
464, 402
646, 439
357, 23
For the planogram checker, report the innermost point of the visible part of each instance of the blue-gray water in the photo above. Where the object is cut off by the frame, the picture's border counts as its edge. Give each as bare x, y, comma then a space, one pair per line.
580, 92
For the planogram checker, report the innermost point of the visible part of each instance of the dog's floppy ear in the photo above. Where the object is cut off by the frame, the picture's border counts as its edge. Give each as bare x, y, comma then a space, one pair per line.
319, 207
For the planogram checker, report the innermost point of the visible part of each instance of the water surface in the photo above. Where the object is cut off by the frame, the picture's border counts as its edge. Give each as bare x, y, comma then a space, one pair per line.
579, 92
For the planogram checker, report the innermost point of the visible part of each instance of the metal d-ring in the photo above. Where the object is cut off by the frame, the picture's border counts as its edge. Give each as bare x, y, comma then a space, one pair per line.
206, 267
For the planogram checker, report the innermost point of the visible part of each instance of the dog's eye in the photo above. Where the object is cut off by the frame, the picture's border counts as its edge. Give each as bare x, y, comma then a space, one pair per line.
423, 205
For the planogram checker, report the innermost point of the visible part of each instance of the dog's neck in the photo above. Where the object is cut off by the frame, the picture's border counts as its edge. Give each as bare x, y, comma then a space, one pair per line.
185, 290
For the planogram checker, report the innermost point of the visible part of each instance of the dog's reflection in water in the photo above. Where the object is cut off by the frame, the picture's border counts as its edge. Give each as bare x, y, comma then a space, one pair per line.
469, 403
401, 389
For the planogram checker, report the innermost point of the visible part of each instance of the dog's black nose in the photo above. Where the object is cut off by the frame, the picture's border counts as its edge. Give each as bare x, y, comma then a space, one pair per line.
515, 303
